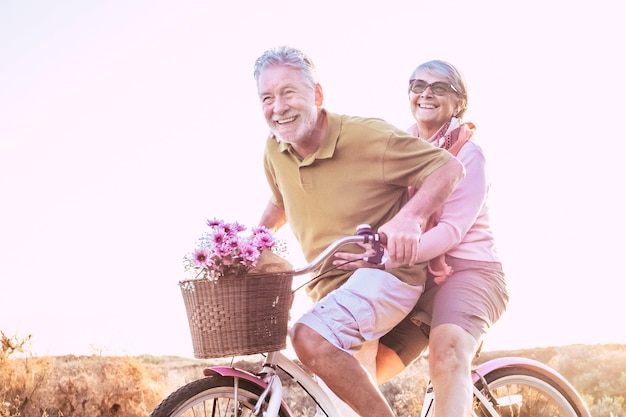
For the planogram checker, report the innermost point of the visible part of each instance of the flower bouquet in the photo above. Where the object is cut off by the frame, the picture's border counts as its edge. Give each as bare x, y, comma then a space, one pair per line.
224, 250
239, 295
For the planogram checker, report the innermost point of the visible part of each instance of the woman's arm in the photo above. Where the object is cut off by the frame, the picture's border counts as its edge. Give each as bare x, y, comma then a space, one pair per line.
462, 208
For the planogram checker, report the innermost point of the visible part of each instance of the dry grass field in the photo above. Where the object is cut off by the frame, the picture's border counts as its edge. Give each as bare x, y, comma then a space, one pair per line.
93, 386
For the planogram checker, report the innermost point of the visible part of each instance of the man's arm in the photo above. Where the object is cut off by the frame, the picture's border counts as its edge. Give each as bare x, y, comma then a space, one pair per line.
273, 217
404, 230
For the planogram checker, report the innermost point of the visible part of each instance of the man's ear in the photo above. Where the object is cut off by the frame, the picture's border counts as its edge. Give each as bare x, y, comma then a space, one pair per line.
319, 95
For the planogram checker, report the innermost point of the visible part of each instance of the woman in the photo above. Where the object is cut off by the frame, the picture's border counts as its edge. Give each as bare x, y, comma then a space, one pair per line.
466, 290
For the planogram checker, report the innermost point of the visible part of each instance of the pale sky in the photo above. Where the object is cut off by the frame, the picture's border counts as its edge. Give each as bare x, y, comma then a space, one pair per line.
125, 125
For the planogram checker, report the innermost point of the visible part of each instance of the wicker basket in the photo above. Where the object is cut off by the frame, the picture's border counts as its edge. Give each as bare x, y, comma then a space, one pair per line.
238, 315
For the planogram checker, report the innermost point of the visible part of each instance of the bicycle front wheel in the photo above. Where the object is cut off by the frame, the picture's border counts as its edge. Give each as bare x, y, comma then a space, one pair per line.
522, 392
213, 396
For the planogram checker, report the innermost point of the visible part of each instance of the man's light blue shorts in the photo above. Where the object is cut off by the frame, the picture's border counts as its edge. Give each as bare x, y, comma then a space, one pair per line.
368, 305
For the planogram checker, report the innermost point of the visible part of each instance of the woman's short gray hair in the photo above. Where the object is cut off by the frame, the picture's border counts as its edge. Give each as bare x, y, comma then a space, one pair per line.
287, 56
451, 74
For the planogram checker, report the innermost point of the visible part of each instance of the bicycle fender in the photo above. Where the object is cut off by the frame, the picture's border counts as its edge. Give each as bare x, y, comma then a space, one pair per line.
512, 361
227, 371
238, 373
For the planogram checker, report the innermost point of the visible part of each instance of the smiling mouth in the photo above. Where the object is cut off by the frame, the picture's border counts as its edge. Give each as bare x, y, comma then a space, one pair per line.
284, 121
426, 106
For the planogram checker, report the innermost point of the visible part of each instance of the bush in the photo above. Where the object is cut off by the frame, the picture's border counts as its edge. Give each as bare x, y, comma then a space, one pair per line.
74, 386
98, 386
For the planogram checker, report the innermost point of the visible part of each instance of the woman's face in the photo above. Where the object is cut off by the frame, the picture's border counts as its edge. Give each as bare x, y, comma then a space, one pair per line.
432, 109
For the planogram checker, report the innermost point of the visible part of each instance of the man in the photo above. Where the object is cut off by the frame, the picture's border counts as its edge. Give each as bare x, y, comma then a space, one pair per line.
329, 173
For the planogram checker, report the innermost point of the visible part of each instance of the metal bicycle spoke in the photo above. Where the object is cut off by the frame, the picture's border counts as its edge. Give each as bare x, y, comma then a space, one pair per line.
523, 393
213, 396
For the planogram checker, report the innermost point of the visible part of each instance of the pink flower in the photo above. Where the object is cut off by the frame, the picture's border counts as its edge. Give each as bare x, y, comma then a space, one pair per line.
232, 228
201, 257
249, 254
263, 238
219, 238
214, 223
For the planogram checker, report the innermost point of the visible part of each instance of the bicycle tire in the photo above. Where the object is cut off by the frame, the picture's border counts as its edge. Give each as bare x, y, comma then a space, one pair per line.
213, 396
522, 392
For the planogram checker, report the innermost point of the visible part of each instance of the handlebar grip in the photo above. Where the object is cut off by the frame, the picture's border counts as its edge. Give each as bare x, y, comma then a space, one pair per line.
376, 240
379, 239
366, 230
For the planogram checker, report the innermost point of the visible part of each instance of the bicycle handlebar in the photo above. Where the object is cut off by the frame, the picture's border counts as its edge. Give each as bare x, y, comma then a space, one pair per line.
364, 235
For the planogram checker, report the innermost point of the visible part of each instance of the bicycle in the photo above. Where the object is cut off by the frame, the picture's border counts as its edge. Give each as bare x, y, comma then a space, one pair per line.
503, 387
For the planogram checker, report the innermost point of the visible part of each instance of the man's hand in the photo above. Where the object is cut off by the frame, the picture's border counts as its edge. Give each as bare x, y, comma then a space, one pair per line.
403, 236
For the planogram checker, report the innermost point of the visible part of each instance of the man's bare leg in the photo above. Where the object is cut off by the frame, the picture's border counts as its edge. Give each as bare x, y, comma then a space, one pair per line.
341, 372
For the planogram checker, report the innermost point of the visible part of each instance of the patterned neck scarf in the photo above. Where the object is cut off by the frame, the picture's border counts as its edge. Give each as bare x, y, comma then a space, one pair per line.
451, 136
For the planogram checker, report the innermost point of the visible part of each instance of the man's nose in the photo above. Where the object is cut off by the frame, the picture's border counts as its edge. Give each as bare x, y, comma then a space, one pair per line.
280, 105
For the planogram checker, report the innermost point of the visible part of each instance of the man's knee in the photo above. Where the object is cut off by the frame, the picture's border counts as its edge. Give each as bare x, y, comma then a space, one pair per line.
306, 343
299, 334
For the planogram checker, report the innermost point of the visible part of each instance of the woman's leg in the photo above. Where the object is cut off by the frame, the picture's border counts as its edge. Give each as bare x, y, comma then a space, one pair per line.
465, 307
399, 348
452, 350
388, 364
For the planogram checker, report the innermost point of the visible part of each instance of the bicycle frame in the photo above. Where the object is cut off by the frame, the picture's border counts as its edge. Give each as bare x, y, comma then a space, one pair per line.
272, 382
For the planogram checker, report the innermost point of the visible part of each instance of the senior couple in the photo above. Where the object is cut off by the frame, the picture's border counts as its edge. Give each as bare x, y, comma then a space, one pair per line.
442, 285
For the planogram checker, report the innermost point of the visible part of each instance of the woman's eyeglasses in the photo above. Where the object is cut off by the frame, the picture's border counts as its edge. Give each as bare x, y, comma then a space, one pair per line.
438, 88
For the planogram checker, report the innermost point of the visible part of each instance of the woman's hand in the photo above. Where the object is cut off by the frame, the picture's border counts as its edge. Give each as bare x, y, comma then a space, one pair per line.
349, 261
